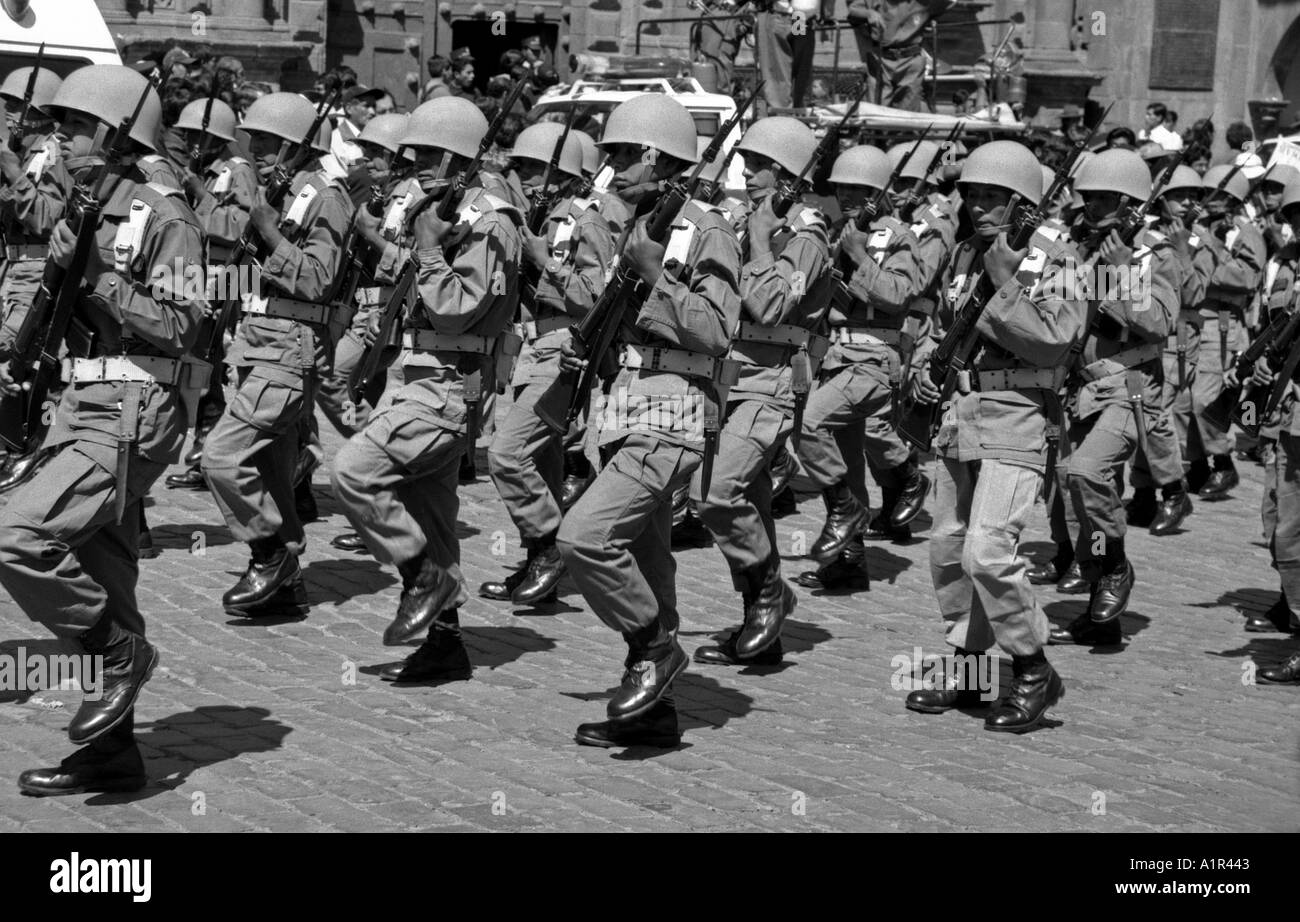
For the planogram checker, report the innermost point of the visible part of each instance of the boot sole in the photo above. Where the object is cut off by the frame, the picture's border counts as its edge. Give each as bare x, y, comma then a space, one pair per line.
100, 787
148, 674
656, 742
460, 675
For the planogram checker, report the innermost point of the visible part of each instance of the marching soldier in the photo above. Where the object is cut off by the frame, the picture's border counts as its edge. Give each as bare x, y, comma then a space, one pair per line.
784, 293
992, 444
33, 197
1161, 464
1239, 257
224, 191
397, 478
571, 257
615, 539
847, 424
283, 343
68, 537
1115, 395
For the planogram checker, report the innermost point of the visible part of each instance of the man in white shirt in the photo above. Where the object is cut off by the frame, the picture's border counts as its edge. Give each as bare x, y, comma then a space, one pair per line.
1156, 131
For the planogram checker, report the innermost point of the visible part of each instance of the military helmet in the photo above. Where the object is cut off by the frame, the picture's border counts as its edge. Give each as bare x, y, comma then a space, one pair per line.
655, 121
47, 84
1184, 177
786, 141
221, 121
1238, 187
863, 165
285, 115
1116, 170
385, 131
1049, 177
1152, 151
450, 123
590, 153
537, 142
916, 167
1290, 195
110, 92
1005, 164
1282, 174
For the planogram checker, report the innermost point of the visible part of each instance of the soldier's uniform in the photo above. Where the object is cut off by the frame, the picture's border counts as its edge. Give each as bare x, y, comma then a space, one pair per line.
157, 168
283, 342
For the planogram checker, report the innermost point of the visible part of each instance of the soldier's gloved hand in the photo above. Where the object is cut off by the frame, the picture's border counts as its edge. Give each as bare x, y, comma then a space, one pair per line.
569, 360
647, 256
763, 222
10, 165
536, 252
430, 230
1001, 262
923, 390
1263, 376
266, 221
7, 385
1113, 250
62, 242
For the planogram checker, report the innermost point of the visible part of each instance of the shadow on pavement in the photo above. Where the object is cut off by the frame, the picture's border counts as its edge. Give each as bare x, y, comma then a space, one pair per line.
173, 537
332, 581
702, 703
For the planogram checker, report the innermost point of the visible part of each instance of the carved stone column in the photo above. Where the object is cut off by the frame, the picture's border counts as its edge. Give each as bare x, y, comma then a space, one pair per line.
1056, 75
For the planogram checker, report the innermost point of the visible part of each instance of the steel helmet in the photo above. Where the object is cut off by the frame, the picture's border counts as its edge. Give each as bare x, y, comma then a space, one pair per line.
1184, 178
786, 141
1238, 187
1282, 174
1116, 170
285, 115
590, 153
385, 131
450, 123
47, 84
1152, 151
1007, 165
1290, 195
863, 165
221, 121
537, 142
655, 121
110, 92
915, 168
1049, 177
1084, 157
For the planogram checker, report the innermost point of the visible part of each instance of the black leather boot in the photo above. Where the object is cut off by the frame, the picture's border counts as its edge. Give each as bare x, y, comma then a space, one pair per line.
21, 468
1198, 472
911, 495
578, 475
784, 503
782, 468
503, 590
1287, 673
774, 602
426, 592
1073, 583
1141, 509
1035, 688
1279, 619
1223, 479
724, 654
880, 527
272, 584
1085, 632
127, 662
657, 727
542, 576
647, 678
441, 658
89, 770
1111, 595
845, 517
350, 541
938, 700
1175, 507
1054, 569
847, 571
191, 479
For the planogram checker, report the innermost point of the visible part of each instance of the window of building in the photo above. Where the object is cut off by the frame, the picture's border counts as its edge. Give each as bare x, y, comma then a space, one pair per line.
1183, 43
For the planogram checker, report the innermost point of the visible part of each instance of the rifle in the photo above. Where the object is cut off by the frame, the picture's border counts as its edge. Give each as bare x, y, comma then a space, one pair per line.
1237, 404
566, 397
35, 364
372, 360
878, 203
917, 422
543, 197
936, 160
196, 150
16, 139
1196, 211
790, 191
226, 312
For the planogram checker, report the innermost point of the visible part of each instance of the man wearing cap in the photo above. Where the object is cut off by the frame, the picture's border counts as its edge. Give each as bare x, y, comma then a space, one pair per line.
890, 35
397, 478
992, 443
177, 63
284, 342
68, 537
615, 541
535, 57
358, 109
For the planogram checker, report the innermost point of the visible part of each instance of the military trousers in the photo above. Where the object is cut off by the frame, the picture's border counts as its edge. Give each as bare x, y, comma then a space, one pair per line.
1162, 462
332, 393
738, 509
847, 425
1098, 448
1285, 543
981, 508
64, 559
1203, 436
616, 541
526, 462
250, 455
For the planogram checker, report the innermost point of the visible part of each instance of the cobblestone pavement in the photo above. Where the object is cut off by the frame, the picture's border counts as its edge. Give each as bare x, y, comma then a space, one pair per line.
257, 726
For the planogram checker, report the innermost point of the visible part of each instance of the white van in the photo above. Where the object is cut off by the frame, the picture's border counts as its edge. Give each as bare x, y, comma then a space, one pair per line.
73, 31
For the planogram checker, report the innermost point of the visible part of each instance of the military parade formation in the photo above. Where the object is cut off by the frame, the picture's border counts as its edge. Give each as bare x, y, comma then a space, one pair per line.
976, 330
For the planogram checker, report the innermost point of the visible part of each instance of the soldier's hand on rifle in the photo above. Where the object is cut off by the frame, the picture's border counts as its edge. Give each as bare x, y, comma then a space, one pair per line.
1180, 235
853, 243
7, 385
430, 230
536, 252
569, 360
763, 222
647, 256
1113, 250
10, 165
923, 389
1263, 375
194, 186
1001, 262
62, 242
266, 221
370, 332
